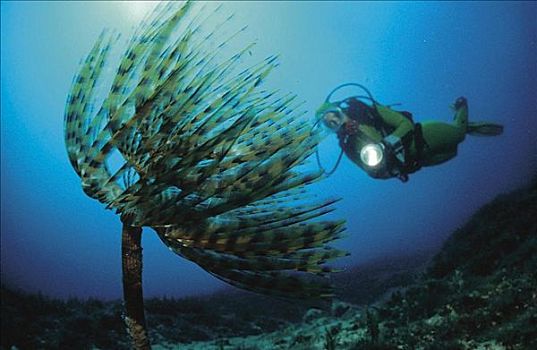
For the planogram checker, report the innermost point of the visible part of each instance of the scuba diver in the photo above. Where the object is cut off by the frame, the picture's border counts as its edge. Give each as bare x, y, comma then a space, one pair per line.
387, 143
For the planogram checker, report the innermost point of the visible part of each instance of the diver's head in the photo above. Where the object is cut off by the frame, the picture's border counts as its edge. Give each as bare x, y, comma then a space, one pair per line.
332, 116
334, 120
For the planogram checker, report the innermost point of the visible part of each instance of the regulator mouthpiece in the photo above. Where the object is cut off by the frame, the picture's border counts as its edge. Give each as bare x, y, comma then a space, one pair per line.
372, 154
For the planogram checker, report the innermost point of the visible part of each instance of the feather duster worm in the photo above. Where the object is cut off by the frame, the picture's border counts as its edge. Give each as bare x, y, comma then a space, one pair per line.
208, 160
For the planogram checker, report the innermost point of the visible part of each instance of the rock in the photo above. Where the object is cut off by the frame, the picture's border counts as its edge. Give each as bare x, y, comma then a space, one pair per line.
340, 308
311, 315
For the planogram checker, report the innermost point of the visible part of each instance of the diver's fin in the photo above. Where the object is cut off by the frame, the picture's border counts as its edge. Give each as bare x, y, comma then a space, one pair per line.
484, 129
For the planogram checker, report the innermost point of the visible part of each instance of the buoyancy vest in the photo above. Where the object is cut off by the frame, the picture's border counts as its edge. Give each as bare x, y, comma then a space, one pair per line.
362, 116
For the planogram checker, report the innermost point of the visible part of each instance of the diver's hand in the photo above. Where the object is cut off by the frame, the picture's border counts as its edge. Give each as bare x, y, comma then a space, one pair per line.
395, 146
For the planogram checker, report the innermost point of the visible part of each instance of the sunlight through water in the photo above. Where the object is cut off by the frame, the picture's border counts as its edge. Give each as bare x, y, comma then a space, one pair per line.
137, 10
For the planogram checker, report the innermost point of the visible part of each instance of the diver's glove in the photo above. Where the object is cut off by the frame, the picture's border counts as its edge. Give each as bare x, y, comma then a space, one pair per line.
395, 146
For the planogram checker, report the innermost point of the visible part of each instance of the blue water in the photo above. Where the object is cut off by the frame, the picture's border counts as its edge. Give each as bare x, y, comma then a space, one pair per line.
56, 240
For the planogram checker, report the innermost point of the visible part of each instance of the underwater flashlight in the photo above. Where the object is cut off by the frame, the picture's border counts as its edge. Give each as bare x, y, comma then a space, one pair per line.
372, 154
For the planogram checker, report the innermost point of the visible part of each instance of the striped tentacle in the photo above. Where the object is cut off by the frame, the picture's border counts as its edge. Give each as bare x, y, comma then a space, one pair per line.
125, 127
159, 170
303, 261
269, 275
206, 158
124, 100
276, 283
192, 134
125, 136
273, 242
269, 175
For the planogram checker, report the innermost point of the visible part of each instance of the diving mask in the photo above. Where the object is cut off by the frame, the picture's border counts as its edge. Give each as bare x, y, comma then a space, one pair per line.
331, 115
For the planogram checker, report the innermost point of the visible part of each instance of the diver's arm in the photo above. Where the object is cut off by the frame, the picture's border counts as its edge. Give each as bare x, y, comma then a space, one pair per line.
402, 127
399, 122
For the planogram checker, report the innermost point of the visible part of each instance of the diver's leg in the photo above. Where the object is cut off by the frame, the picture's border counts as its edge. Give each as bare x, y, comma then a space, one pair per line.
442, 139
439, 158
441, 142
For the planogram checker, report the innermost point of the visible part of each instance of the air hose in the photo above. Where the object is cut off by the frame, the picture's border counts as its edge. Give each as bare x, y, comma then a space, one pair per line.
368, 97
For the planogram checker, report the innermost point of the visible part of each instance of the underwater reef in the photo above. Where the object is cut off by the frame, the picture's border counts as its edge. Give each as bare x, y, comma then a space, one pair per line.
478, 292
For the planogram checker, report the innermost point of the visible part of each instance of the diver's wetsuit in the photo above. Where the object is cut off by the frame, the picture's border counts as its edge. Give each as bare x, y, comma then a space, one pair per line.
442, 139
436, 143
